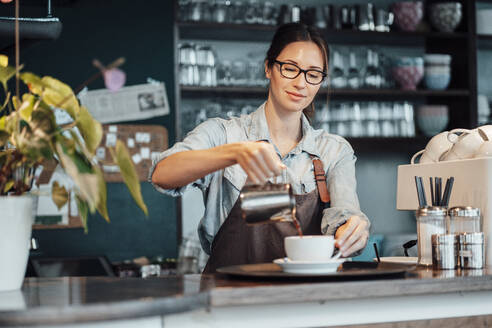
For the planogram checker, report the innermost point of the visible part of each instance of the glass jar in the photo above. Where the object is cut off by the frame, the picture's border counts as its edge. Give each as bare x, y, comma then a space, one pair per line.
430, 220
463, 219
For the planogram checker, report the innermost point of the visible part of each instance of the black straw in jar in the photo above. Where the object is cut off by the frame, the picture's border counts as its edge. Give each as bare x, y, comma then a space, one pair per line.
433, 199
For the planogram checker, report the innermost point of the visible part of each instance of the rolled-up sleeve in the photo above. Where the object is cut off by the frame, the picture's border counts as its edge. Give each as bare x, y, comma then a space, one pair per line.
342, 186
209, 134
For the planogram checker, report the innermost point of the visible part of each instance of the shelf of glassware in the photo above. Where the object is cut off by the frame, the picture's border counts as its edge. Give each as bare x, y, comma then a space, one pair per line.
199, 91
259, 32
388, 144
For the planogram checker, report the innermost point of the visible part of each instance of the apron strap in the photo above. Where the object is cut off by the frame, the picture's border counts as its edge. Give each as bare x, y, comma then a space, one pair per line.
319, 176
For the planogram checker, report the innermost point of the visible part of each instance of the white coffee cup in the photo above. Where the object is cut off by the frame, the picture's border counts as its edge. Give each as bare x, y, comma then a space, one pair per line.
465, 146
435, 148
485, 150
309, 248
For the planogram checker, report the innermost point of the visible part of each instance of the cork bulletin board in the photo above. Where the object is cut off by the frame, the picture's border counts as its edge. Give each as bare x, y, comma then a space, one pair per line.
143, 143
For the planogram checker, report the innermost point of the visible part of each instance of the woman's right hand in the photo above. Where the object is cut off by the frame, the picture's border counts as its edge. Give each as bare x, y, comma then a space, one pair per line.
259, 160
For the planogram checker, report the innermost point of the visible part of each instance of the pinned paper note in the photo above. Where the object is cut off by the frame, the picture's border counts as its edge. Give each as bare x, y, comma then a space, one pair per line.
145, 152
101, 153
136, 158
130, 142
142, 137
128, 103
113, 128
111, 140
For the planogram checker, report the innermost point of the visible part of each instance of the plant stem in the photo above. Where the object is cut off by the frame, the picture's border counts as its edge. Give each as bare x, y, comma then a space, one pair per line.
17, 48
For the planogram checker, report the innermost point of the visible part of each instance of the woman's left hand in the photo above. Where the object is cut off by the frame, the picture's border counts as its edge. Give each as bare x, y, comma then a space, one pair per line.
352, 235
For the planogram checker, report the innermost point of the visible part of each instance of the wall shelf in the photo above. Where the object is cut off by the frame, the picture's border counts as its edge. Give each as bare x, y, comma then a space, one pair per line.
460, 97
250, 92
264, 33
377, 145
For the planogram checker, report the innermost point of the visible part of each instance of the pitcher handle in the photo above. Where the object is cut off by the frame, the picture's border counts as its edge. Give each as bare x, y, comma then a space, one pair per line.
412, 161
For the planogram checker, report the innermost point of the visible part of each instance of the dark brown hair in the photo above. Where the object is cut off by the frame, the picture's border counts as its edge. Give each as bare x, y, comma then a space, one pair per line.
294, 32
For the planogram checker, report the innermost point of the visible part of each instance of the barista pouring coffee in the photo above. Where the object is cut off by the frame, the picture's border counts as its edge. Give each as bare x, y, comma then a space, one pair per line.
277, 144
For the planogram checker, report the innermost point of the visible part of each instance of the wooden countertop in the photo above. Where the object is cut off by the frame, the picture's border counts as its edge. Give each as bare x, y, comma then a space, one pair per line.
45, 301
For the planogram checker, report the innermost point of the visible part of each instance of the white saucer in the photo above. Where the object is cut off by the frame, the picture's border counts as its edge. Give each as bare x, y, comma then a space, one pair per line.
308, 267
398, 259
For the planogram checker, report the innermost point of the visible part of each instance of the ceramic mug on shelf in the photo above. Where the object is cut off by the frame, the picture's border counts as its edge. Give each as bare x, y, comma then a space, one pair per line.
435, 148
465, 146
485, 132
485, 150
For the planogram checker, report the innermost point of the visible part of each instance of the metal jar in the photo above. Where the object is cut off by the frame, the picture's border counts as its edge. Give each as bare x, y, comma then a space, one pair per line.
267, 203
471, 250
444, 251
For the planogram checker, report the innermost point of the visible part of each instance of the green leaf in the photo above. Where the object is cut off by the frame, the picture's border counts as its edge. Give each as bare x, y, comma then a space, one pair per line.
122, 158
33, 82
6, 102
83, 211
44, 120
27, 106
4, 60
60, 95
90, 129
8, 186
4, 137
6, 73
102, 205
59, 195
87, 183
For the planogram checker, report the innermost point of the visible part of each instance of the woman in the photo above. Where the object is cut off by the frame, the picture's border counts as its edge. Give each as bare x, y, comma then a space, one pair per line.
276, 143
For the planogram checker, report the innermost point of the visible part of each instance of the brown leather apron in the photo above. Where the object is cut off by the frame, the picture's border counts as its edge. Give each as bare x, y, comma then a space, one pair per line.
239, 243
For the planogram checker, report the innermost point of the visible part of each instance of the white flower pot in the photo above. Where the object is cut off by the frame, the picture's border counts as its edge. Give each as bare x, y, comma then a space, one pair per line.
16, 218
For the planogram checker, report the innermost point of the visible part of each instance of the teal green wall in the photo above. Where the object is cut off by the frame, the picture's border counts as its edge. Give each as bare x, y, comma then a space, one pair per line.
142, 32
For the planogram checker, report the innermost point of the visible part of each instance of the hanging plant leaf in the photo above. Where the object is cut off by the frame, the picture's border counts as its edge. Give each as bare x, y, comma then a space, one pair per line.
87, 183
8, 186
102, 207
60, 95
90, 129
83, 211
122, 158
59, 195
6, 73
4, 60
27, 106
33, 82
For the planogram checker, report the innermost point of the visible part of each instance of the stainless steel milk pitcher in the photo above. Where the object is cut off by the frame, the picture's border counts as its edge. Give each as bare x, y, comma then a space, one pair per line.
267, 203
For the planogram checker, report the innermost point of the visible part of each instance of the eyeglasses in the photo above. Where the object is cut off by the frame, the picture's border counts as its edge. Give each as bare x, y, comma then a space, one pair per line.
291, 71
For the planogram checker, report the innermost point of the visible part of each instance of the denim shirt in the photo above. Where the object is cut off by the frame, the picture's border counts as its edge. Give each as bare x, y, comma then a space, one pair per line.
221, 188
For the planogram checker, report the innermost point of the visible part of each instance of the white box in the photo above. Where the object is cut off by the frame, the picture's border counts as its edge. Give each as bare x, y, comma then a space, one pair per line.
472, 187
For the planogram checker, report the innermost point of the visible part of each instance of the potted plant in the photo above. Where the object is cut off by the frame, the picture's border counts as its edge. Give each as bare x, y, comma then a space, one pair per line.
30, 136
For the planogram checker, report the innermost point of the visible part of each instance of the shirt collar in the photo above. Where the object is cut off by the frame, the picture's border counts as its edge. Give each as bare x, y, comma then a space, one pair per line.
258, 130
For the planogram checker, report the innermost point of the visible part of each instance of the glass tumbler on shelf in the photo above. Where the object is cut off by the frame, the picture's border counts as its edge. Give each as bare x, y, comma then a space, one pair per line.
373, 75
221, 11
338, 78
463, 219
224, 73
238, 73
353, 77
430, 220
